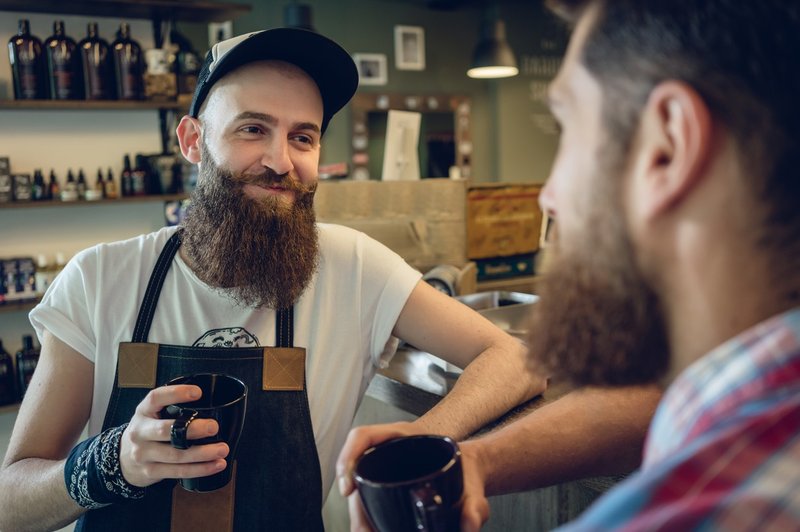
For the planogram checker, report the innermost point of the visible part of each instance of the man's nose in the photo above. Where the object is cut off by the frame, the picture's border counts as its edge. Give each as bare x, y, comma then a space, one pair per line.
276, 157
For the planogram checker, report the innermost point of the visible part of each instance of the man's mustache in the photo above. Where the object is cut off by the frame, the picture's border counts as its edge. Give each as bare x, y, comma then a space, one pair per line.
270, 178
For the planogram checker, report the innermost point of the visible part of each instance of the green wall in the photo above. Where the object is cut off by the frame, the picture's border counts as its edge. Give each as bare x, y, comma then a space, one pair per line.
509, 141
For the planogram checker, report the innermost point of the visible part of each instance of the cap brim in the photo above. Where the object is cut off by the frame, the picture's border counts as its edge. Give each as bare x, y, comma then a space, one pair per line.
327, 63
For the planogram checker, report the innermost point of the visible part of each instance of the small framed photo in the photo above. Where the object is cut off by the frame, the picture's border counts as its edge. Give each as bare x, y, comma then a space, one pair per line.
409, 48
371, 69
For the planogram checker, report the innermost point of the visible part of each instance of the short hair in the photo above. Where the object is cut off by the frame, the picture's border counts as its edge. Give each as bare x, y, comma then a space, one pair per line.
742, 58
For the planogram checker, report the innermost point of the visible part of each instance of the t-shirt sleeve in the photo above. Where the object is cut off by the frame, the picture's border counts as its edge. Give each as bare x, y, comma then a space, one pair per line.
388, 282
64, 309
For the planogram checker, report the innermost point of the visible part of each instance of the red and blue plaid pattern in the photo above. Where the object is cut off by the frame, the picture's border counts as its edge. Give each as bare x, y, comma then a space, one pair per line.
723, 450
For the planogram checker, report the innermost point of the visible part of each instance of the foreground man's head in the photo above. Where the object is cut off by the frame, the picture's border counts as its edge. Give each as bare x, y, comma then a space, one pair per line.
675, 187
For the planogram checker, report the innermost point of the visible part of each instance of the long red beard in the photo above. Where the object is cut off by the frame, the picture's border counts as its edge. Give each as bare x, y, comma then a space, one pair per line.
263, 253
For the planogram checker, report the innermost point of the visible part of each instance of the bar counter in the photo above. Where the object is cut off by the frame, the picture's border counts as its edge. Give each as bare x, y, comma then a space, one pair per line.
415, 381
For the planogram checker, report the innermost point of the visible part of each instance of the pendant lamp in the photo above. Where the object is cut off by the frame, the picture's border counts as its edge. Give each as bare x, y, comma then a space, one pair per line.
297, 16
493, 57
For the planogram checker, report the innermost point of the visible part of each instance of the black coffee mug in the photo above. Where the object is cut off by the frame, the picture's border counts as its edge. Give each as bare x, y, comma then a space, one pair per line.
224, 399
412, 483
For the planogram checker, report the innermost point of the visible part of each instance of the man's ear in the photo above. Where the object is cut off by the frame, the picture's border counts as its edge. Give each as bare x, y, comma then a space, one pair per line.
672, 148
190, 138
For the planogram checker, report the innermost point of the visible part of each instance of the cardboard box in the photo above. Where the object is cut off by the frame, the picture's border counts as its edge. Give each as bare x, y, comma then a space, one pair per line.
503, 220
422, 221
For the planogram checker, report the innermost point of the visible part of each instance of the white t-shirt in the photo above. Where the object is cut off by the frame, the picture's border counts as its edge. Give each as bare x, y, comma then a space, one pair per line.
344, 318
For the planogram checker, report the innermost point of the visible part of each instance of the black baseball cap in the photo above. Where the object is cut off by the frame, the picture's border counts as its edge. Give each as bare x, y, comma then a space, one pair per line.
327, 63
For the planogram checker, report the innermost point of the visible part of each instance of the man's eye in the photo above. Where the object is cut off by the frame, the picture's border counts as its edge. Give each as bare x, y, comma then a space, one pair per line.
254, 130
305, 139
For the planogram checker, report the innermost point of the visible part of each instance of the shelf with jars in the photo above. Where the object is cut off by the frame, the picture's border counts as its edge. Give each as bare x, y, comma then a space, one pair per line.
105, 201
88, 105
188, 10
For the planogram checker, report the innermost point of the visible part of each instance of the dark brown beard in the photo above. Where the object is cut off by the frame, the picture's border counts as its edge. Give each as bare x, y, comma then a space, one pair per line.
598, 322
262, 252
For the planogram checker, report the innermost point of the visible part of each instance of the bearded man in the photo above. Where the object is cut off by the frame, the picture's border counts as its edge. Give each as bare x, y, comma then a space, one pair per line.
250, 286
676, 196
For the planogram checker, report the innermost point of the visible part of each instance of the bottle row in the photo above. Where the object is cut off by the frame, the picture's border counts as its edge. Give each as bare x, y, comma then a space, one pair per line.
151, 175
93, 69
22, 279
16, 372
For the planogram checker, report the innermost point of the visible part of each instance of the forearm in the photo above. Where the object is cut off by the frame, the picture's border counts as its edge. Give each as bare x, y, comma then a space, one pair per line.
33, 496
492, 384
589, 432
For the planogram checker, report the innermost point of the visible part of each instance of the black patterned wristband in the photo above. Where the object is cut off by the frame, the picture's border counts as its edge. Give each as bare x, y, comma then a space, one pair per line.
93, 474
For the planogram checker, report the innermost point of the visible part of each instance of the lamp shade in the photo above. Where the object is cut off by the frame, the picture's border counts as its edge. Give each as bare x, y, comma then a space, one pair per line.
493, 57
297, 16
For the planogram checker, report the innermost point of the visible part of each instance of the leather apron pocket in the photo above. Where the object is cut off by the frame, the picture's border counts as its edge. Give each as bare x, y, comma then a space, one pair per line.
211, 511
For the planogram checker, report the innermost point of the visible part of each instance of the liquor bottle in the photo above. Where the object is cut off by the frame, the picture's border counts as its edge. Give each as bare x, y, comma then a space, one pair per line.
128, 65
97, 62
94, 192
81, 185
127, 177
63, 65
38, 188
110, 189
70, 192
27, 358
8, 383
187, 62
27, 64
139, 177
53, 190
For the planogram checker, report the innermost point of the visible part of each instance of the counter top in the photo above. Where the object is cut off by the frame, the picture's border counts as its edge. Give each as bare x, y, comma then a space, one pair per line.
415, 381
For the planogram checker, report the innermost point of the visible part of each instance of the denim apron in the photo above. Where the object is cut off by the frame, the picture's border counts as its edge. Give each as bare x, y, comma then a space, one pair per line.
277, 483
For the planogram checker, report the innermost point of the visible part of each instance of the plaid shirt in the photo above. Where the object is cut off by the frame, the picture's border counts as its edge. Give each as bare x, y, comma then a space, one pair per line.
723, 450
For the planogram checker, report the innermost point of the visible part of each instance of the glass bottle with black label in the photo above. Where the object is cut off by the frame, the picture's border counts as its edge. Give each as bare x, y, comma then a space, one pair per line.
127, 176
27, 64
63, 65
27, 358
81, 185
140, 177
128, 65
39, 187
8, 383
188, 62
53, 189
98, 73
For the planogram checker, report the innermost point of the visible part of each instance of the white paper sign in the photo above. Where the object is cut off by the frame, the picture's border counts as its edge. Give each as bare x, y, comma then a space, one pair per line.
401, 152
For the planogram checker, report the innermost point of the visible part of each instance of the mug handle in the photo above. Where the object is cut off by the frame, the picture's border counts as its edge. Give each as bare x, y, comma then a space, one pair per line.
428, 510
177, 434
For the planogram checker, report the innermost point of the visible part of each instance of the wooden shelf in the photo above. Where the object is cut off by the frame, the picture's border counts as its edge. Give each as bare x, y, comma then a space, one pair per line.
90, 105
8, 409
59, 203
526, 284
191, 11
19, 306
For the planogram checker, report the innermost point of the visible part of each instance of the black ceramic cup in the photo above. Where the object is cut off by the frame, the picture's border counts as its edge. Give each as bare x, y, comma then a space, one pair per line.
224, 399
412, 483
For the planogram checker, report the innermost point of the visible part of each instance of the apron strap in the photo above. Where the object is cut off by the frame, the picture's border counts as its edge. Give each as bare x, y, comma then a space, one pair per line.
284, 321
284, 328
148, 307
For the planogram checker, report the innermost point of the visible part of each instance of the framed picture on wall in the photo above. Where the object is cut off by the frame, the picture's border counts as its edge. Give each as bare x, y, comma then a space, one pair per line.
371, 69
409, 48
